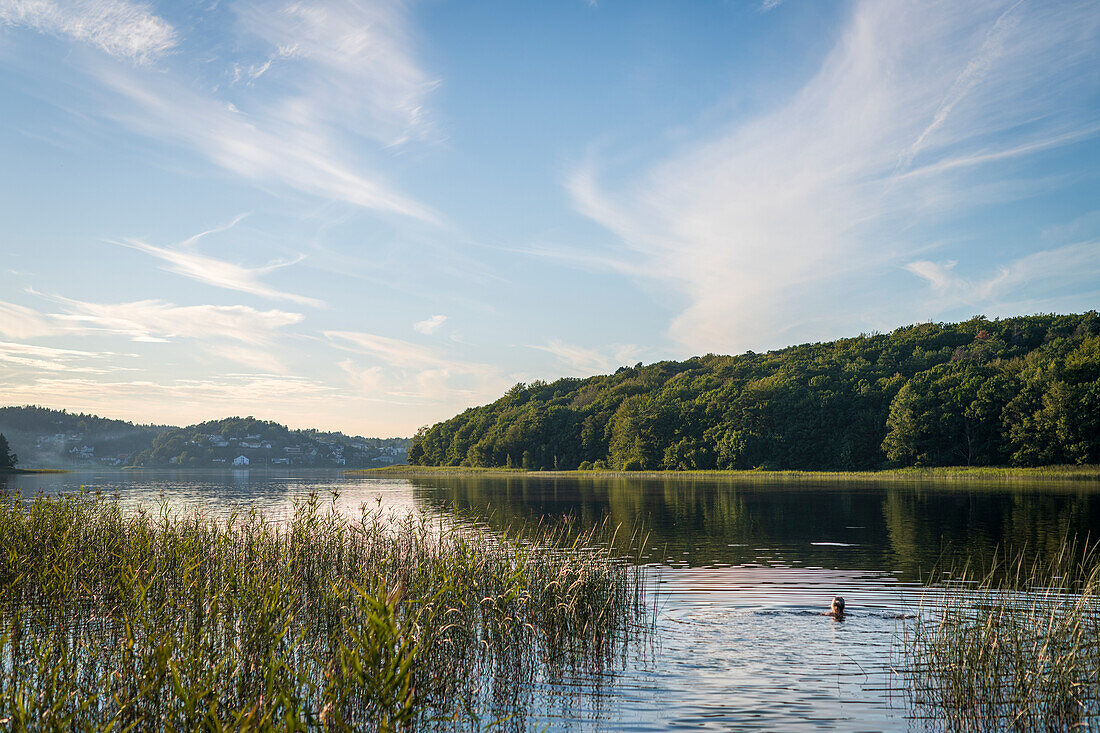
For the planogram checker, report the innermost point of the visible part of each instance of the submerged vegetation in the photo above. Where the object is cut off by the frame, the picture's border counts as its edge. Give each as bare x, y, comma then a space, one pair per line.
119, 620
1020, 391
1016, 647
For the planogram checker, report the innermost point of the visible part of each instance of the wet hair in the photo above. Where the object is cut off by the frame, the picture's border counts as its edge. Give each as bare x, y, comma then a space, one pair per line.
837, 605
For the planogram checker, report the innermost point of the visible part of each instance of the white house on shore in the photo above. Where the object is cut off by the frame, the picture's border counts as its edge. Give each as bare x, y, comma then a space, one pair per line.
240, 461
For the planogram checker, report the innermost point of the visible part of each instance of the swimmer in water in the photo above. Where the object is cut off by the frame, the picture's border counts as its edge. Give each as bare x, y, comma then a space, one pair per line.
836, 608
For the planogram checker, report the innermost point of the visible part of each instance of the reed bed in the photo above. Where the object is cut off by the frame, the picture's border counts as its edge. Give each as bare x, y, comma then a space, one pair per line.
1015, 646
1090, 474
156, 620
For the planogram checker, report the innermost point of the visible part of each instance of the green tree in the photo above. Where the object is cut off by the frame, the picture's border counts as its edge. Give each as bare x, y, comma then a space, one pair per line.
7, 458
1021, 390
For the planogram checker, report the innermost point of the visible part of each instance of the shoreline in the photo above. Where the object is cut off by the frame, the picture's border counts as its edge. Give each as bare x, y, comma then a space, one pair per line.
22, 471
1090, 473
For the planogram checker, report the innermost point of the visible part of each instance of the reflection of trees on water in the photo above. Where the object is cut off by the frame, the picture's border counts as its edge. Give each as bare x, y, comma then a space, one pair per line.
931, 525
891, 526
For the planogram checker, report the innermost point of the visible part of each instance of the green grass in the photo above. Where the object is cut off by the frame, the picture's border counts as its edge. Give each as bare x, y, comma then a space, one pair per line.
1014, 647
120, 621
950, 473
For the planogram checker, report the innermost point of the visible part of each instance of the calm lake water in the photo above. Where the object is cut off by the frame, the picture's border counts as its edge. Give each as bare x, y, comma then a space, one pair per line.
742, 572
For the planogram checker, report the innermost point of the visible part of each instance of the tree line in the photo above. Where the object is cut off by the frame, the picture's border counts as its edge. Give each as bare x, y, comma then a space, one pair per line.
1021, 391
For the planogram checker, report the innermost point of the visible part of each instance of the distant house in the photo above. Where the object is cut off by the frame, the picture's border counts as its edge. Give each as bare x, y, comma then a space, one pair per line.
84, 452
241, 461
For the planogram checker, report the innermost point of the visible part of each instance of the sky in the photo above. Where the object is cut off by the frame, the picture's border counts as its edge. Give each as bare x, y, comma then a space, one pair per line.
368, 216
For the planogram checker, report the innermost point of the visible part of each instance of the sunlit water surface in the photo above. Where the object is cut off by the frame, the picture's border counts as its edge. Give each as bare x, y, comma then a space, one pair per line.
742, 572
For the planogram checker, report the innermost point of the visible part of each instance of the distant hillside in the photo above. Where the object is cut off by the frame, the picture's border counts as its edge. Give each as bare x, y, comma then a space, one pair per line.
55, 438
1019, 391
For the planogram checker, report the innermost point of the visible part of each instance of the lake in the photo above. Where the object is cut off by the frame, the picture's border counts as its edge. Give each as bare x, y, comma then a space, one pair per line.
742, 571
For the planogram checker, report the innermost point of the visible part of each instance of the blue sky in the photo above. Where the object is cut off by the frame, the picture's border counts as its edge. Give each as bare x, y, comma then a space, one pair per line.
370, 215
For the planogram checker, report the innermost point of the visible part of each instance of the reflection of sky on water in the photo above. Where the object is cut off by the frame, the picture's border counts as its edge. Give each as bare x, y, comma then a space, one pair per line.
743, 574
219, 493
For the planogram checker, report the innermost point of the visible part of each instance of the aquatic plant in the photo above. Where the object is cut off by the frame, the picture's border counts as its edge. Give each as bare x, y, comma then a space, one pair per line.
154, 619
1015, 646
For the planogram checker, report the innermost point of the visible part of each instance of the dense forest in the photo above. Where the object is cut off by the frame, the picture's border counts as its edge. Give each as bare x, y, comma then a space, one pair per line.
1020, 391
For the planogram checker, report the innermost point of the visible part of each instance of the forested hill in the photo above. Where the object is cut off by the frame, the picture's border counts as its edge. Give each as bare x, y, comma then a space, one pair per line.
1019, 391
42, 437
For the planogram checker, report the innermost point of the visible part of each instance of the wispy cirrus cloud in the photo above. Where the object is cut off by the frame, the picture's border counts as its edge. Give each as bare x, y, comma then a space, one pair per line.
407, 373
348, 63
150, 321
21, 322
917, 113
391, 351
1047, 273
291, 143
585, 361
158, 321
126, 30
236, 333
332, 88
182, 260
50, 359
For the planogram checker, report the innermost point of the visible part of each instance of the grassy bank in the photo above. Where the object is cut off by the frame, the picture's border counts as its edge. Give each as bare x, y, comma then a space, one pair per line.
18, 471
954, 473
154, 620
1015, 647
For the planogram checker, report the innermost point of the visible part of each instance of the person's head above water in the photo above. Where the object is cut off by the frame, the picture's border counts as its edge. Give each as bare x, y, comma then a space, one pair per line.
837, 607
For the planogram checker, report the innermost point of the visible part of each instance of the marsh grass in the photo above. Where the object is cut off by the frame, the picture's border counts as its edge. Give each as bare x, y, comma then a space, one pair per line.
153, 619
1013, 646
990, 474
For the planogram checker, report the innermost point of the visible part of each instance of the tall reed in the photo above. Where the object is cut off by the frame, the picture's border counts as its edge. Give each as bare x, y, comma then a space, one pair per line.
1014, 646
116, 620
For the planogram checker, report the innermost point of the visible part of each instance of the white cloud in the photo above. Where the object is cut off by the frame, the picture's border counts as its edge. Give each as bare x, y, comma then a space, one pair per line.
391, 351
368, 381
347, 61
122, 29
156, 320
290, 144
219, 273
1048, 273
260, 360
411, 374
332, 87
49, 359
236, 333
150, 320
586, 362
429, 325
20, 322
769, 221
938, 274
